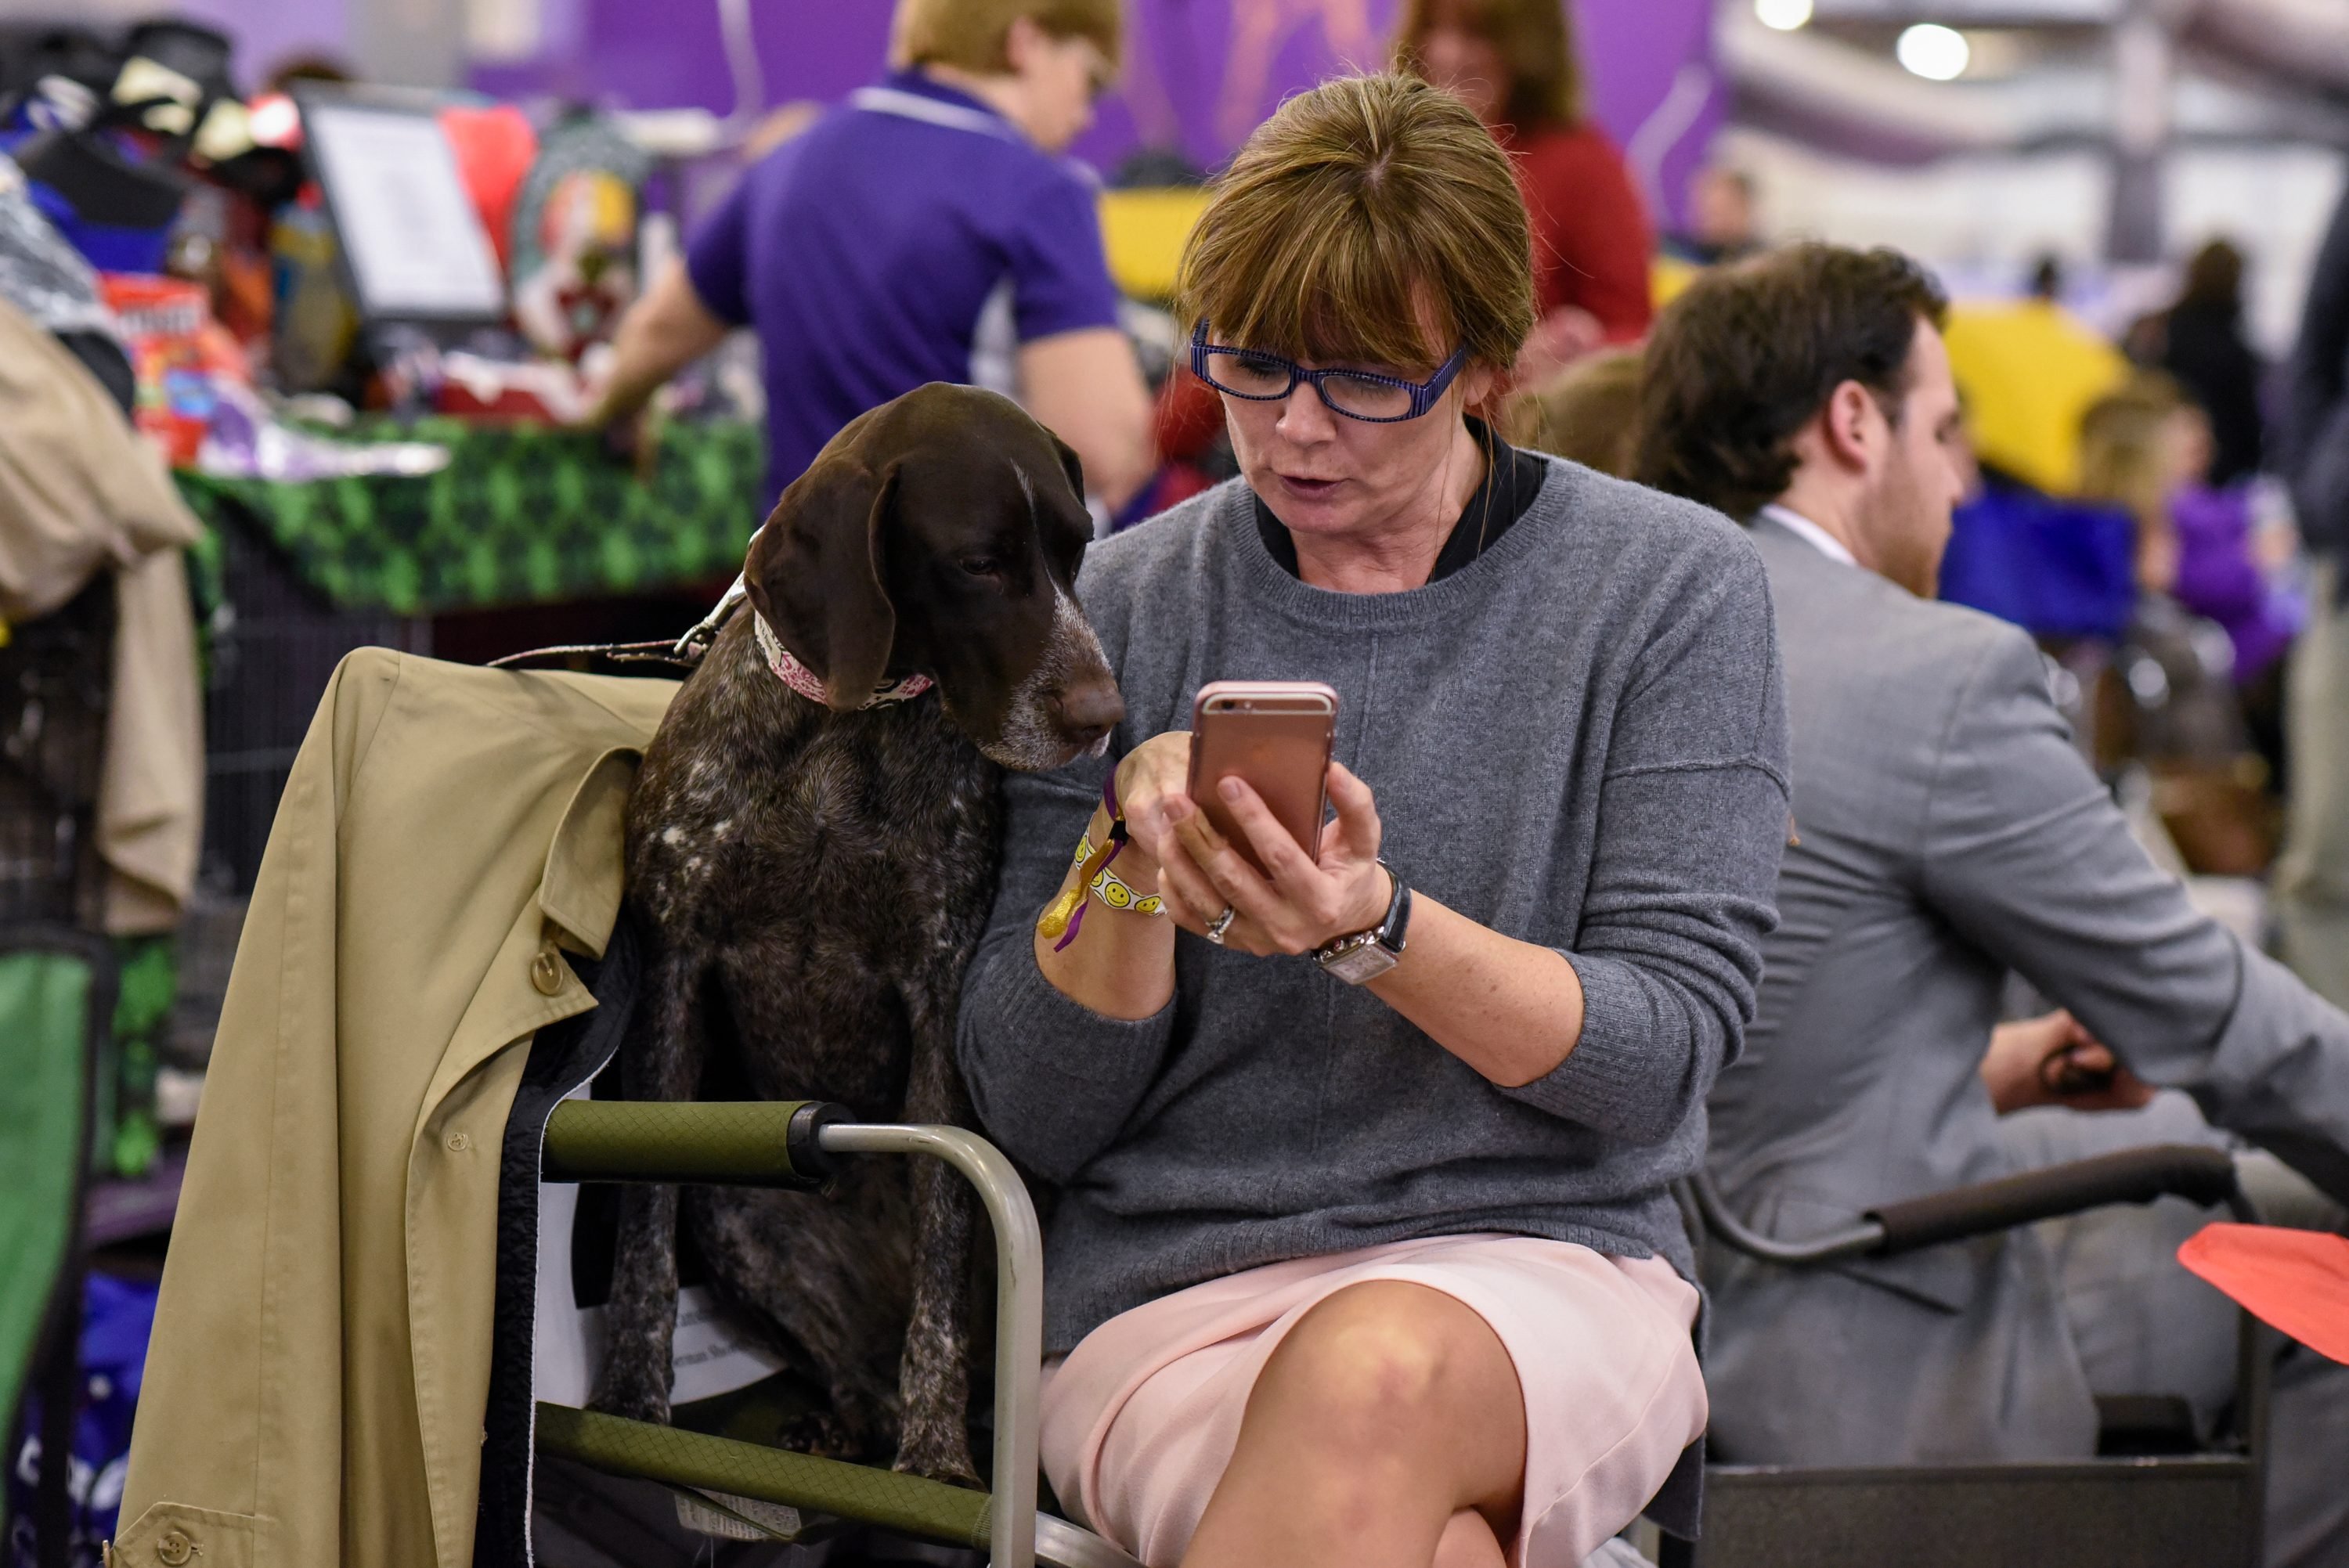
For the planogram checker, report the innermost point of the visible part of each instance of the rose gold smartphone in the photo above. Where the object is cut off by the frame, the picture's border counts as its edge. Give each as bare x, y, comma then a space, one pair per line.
1276, 735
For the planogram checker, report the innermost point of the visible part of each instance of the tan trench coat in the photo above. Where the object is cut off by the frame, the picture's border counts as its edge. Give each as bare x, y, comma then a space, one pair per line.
314, 1391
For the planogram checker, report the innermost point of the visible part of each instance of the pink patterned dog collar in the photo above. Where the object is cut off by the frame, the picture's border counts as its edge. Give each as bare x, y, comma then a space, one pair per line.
803, 680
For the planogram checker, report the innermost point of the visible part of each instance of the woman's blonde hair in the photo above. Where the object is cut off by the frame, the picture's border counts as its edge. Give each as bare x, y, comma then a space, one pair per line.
2123, 440
2124, 461
1588, 413
969, 35
1536, 41
1361, 217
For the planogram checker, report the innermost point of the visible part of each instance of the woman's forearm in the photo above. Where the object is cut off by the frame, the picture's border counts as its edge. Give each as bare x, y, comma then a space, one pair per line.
1122, 965
1508, 1008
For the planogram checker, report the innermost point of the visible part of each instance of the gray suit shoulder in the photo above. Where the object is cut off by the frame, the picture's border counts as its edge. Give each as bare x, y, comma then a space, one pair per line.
1842, 625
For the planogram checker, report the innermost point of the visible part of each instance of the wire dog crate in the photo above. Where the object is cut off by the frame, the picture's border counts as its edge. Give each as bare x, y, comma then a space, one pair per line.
275, 642
56, 680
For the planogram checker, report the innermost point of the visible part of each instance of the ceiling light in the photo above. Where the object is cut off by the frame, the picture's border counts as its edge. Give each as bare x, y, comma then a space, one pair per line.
1938, 54
1784, 15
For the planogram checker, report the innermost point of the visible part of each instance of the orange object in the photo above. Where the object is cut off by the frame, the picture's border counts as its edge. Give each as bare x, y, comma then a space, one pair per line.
495, 148
175, 354
245, 293
2295, 1280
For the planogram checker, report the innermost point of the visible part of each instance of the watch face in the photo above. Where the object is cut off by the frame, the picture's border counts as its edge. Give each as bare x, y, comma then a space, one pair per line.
1362, 964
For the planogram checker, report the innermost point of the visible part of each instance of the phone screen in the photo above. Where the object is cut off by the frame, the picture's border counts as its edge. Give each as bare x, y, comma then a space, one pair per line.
1276, 735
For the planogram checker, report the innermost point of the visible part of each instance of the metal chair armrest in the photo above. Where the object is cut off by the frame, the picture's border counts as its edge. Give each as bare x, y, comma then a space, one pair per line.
1701, 1194
2202, 1174
750, 1143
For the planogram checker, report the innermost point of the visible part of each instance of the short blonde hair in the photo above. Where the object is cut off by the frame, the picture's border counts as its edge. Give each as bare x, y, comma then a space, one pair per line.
2122, 437
969, 35
1361, 216
1588, 413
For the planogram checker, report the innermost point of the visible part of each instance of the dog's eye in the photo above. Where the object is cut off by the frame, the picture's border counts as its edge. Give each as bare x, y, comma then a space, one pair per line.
981, 565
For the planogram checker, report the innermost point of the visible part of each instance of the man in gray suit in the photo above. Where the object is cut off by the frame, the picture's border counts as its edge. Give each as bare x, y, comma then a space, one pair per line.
1946, 833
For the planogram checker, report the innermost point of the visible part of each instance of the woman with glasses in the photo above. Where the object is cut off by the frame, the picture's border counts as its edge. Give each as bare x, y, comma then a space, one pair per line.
1363, 1253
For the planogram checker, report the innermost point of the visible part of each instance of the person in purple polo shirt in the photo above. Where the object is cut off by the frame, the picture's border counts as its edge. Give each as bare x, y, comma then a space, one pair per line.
928, 229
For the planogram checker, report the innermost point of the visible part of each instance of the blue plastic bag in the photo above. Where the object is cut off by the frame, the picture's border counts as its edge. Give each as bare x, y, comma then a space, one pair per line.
2056, 568
119, 1316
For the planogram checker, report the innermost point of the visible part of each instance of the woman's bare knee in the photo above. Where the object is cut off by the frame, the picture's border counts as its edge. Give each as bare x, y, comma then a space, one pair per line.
1376, 1350
1392, 1370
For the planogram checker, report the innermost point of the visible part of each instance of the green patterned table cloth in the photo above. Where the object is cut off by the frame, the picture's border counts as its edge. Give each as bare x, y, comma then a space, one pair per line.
522, 514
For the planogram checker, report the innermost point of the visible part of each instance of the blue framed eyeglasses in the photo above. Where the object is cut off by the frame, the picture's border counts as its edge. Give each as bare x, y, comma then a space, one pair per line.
1357, 394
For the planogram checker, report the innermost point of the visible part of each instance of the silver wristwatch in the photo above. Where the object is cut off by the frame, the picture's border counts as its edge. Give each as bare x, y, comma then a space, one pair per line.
1366, 954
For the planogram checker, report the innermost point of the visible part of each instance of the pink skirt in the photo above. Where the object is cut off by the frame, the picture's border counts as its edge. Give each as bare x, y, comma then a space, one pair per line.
1141, 1418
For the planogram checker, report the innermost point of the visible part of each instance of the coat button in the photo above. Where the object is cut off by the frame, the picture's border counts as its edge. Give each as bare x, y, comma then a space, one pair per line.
546, 971
459, 1143
173, 1548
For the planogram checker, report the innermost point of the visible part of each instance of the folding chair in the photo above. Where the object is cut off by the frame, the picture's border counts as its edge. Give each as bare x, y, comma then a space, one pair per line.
795, 1144
2120, 1512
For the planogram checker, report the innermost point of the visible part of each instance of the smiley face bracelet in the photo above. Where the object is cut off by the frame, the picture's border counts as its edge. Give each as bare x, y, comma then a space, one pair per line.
1065, 915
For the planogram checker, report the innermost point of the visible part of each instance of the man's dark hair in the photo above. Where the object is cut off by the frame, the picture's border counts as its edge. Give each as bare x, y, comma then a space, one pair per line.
1746, 356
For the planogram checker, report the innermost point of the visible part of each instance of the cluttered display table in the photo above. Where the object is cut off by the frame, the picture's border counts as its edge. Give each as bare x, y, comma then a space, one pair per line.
509, 514
421, 534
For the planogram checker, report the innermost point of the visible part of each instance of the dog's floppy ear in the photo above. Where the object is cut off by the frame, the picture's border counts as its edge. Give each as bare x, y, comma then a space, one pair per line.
815, 572
1069, 466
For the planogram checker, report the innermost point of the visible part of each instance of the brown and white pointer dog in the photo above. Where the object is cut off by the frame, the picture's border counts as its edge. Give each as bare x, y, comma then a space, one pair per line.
813, 875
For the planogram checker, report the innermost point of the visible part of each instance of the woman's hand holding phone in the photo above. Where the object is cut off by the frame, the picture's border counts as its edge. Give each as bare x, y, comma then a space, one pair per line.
1297, 904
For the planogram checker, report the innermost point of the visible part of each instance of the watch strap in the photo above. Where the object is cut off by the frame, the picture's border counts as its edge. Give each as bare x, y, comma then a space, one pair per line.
1396, 926
1387, 935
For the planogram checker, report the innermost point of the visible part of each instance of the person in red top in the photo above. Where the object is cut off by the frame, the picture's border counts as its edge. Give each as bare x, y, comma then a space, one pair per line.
1513, 62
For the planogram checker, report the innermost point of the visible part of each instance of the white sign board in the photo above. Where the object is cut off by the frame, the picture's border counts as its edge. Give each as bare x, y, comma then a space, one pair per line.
416, 247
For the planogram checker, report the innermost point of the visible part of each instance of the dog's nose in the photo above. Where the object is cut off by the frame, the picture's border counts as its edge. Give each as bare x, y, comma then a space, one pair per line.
1088, 710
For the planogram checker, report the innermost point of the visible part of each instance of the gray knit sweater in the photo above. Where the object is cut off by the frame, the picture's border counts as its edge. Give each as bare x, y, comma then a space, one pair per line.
1579, 740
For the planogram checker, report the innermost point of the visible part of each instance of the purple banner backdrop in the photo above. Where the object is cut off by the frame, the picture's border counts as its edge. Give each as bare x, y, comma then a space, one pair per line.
1200, 73
267, 34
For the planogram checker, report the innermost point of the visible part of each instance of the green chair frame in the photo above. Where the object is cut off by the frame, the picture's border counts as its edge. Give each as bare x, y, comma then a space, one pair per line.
795, 1144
